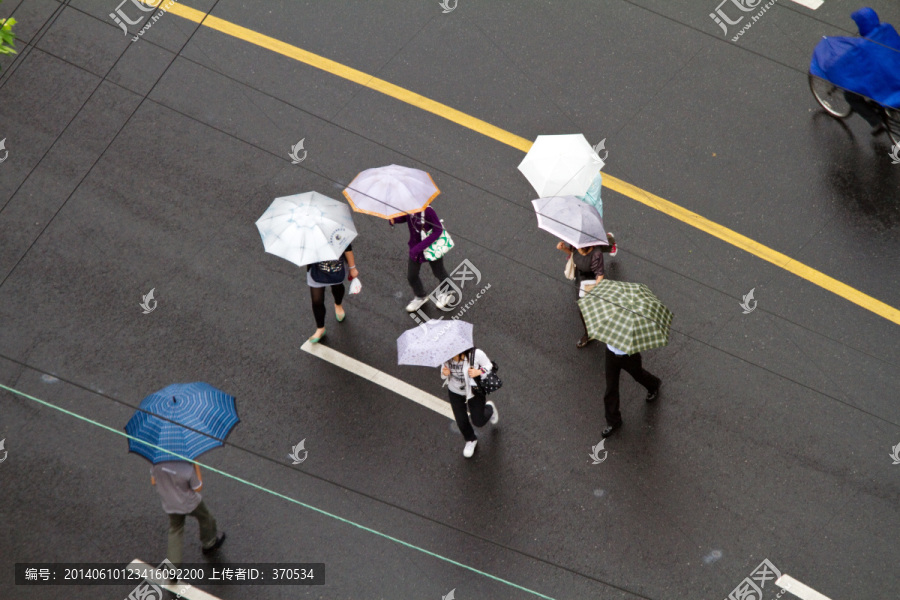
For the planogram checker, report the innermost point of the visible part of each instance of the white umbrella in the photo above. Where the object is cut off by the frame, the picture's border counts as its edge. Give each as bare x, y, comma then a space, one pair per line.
561, 165
391, 191
306, 228
434, 342
571, 220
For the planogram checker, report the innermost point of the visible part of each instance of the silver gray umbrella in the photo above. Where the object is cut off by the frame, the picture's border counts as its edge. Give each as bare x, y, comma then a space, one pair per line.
575, 222
434, 342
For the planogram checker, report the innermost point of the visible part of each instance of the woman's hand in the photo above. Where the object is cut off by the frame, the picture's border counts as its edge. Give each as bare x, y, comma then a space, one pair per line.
563, 246
473, 372
599, 277
445, 372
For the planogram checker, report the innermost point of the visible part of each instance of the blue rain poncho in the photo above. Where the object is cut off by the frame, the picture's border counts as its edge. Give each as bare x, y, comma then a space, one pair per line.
868, 65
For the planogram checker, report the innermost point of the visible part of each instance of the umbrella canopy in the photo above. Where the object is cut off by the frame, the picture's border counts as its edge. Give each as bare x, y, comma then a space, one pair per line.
561, 165
306, 228
626, 316
571, 220
592, 195
391, 191
185, 418
433, 343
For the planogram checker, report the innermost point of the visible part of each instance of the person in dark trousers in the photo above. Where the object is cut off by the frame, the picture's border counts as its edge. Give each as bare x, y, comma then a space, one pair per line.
178, 484
589, 265
428, 222
328, 271
459, 373
616, 362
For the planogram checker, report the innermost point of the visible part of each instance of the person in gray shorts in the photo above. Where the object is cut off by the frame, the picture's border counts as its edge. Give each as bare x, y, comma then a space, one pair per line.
178, 484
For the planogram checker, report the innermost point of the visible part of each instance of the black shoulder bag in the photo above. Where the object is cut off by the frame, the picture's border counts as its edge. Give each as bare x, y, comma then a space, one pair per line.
489, 382
329, 272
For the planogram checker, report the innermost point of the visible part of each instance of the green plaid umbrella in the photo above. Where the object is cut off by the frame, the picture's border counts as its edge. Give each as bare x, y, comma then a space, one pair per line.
626, 315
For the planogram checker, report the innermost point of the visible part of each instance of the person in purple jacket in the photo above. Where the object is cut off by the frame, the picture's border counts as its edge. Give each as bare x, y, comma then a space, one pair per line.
428, 222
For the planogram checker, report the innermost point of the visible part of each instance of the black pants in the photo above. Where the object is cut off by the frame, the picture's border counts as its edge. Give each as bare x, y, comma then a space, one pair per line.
631, 364
481, 413
412, 275
318, 301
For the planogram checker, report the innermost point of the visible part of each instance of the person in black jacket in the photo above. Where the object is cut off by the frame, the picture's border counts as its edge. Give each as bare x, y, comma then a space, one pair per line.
589, 265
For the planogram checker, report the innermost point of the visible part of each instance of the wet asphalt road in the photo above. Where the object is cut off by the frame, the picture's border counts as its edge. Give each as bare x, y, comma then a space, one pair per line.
145, 165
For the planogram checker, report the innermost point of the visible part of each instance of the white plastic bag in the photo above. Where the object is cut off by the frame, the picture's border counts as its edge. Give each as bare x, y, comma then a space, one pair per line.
355, 286
570, 267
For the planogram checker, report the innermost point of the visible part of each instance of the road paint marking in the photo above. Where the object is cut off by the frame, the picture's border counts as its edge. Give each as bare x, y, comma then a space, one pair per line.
813, 4
753, 247
185, 590
120, 431
622, 187
379, 377
804, 592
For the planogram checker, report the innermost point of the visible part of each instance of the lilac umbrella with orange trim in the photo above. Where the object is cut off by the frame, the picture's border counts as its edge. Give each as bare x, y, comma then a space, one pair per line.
391, 191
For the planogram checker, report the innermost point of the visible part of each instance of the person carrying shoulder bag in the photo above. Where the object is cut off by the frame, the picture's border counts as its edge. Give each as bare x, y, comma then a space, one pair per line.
460, 375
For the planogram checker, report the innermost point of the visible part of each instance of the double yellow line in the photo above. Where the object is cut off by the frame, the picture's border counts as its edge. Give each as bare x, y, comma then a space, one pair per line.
501, 135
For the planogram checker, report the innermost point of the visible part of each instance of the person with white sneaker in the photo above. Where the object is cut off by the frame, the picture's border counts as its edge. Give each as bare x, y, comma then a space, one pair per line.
459, 375
427, 221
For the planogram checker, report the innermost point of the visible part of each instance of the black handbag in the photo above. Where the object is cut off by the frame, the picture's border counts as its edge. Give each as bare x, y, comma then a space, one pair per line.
489, 382
328, 272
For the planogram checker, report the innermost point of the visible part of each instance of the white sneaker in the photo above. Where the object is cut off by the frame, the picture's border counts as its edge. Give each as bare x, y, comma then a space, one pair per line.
495, 418
612, 242
469, 450
443, 300
415, 304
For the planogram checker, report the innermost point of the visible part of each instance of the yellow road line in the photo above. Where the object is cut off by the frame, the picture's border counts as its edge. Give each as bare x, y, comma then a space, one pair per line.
501, 135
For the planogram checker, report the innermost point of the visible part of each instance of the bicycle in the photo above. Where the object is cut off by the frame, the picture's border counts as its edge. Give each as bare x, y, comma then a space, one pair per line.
860, 74
835, 102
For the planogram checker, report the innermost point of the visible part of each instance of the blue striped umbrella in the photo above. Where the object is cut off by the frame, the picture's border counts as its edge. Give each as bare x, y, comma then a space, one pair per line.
185, 418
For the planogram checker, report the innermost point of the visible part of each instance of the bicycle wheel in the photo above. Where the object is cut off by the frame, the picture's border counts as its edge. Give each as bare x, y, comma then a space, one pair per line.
829, 96
892, 123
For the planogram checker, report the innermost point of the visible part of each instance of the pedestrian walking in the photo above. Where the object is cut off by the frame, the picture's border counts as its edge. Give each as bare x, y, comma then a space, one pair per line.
425, 228
616, 362
588, 265
459, 374
330, 274
178, 484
